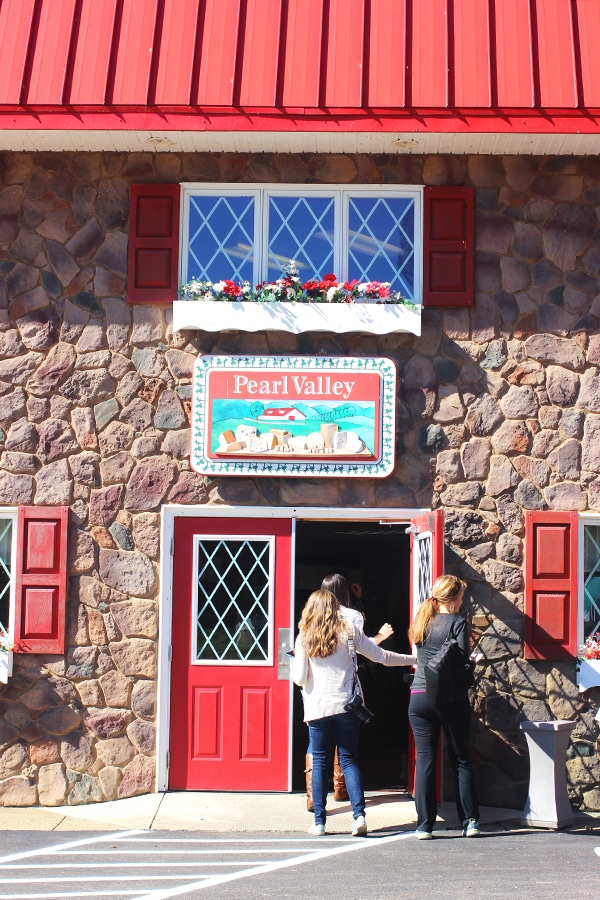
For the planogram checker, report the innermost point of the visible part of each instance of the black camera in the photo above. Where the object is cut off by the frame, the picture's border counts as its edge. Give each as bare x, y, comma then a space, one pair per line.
355, 705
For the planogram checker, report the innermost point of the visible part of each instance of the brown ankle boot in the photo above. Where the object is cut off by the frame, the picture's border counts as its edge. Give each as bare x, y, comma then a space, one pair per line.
339, 782
309, 797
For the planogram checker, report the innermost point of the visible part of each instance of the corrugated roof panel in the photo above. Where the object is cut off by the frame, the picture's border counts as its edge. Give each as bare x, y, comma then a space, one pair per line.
93, 53
471, 84
258, 83
302, 53
219, 42
587, 20
241, 61
429, 54
345, 30
556, 54
176, 53
51, 53
513, 54
134, 53
16, 18
386, 67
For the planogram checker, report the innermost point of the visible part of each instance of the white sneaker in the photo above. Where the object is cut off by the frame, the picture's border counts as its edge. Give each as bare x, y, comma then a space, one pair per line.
316, 830
359, 828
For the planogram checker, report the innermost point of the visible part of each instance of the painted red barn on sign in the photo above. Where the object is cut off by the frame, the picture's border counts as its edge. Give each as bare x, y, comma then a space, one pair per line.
282, 414
151, 185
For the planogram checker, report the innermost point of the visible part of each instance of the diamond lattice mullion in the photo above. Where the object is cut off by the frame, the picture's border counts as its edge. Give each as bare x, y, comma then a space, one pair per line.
245, 559
301, 240
592, 603
230, 232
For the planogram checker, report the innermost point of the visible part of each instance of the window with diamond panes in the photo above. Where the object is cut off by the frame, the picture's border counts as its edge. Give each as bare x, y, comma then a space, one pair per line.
302, 229
423, 548
6, 533
221, 237
251, 233
381, 241
591, 581
233, 600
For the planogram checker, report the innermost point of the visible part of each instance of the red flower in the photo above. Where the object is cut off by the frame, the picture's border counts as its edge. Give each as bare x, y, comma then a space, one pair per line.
329, 277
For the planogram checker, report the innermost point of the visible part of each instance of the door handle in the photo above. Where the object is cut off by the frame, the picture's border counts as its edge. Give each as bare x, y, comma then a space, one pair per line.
283, 668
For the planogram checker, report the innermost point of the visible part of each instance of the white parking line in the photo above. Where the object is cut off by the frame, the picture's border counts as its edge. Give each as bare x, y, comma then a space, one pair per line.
45, 851
272, 867
297, 851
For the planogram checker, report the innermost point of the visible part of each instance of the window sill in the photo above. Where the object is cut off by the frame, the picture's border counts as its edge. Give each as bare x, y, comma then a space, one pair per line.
339, 318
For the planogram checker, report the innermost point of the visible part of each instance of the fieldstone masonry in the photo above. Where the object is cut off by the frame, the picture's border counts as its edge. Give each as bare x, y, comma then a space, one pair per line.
498, 412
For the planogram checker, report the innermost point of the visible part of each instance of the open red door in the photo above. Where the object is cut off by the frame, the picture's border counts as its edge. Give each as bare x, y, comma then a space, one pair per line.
426, 564
230, 692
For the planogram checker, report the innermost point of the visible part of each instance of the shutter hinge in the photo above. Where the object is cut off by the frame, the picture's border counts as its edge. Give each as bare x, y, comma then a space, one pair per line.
168, 759
170, 652
172, 546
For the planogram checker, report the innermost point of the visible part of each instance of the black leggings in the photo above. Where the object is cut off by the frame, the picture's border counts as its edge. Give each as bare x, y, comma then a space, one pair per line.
426, 722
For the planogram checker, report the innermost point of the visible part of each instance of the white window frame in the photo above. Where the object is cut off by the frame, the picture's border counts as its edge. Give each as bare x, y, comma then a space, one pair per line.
341, 194
12, 516
585, 520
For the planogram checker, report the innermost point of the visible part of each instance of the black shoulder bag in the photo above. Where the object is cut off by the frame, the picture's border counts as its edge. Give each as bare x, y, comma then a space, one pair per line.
447, 675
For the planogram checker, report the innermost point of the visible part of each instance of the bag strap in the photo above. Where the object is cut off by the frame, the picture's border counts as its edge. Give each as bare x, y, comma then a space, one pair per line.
351, 646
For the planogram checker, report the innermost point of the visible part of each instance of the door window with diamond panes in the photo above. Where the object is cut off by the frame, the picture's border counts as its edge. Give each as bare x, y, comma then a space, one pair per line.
250, 233
233, 600
591, 581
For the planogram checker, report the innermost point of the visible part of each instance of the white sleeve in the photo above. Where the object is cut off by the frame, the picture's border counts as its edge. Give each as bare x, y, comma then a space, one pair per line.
366, 647
299, 667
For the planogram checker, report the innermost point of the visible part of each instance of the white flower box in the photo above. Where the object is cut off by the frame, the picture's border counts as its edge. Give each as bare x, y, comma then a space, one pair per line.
588, 674
6, 665
339, 318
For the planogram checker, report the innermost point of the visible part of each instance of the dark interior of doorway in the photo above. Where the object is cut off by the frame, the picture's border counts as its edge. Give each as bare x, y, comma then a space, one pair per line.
376, 556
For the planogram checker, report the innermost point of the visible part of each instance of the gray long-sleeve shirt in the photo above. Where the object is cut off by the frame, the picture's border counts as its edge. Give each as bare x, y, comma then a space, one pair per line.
438, 633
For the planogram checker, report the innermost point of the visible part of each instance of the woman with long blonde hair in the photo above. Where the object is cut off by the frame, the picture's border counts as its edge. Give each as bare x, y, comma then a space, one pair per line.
329, 636
436, 621
349, 596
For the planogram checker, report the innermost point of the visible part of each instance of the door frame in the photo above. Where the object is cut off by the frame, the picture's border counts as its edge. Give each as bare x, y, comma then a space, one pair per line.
382, 515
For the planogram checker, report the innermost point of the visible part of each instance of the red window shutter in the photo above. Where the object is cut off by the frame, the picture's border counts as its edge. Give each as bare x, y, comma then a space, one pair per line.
448, 246
550, 585
153, 264
41, 579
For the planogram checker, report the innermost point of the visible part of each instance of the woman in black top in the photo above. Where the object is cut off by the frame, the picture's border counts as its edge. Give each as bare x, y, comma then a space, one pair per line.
436, 617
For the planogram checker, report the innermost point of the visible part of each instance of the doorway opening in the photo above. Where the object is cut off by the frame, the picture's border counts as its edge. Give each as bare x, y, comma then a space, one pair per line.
378, 558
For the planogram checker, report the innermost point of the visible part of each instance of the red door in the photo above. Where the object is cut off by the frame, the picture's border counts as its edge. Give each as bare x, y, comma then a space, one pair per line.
230, 689
426, 564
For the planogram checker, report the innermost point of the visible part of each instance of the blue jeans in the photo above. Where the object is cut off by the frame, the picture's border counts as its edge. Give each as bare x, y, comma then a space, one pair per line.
341, 730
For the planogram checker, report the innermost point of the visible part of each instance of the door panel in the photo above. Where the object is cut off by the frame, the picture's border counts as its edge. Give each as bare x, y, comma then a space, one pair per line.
426, 564
229, 701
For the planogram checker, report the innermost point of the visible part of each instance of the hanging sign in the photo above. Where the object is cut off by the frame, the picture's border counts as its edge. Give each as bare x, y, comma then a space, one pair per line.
294, 415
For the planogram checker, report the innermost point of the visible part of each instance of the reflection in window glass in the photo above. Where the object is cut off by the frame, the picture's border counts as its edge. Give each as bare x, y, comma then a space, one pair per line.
5, 548
302, 229
591, 581
233, 600
221, 238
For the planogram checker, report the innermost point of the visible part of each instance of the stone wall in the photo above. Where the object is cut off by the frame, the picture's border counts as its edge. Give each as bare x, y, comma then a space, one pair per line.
499, 412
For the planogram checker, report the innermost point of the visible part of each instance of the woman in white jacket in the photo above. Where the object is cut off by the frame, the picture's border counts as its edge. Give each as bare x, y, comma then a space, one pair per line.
324, 668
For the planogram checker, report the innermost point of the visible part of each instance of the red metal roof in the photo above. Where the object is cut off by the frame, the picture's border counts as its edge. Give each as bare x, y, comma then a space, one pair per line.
276, 65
